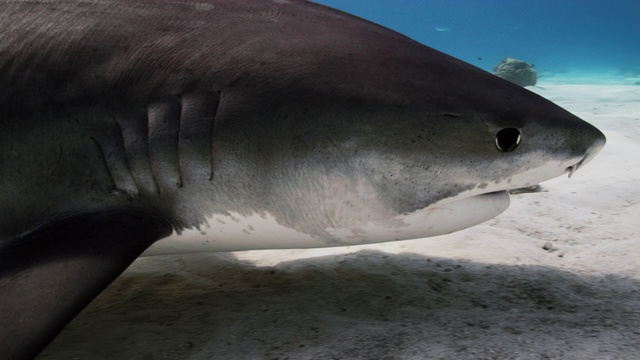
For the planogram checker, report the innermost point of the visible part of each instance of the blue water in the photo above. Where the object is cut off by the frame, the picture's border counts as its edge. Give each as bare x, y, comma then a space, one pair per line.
557, 36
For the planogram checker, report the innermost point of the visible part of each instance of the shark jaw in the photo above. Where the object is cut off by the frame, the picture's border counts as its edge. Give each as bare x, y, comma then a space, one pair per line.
255, 230
237, 232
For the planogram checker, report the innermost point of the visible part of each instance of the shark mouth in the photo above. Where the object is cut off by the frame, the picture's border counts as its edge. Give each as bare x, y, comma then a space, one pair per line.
455, 215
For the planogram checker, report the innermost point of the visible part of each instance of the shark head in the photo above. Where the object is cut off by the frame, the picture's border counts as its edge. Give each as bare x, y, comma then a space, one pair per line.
353, 171
348, 133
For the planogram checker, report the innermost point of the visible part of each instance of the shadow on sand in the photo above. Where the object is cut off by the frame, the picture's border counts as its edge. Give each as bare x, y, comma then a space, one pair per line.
364, 305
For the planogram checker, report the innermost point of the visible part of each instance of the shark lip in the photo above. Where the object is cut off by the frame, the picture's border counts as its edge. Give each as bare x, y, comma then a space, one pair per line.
572, 169
494, 200
494, 194
595, 148
463, 212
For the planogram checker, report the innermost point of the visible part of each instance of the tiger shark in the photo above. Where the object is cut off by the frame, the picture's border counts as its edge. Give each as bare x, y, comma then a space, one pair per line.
167, 126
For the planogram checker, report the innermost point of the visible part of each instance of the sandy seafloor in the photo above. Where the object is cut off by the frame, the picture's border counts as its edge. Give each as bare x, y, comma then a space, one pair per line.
557, 276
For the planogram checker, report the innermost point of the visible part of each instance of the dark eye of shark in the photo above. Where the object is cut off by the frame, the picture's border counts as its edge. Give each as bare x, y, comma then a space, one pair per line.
508, 139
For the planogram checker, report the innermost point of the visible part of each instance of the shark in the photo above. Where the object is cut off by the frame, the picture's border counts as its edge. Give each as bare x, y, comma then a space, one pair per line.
139, 127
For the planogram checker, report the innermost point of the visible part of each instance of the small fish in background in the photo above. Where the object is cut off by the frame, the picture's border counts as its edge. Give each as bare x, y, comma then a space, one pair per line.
442, 29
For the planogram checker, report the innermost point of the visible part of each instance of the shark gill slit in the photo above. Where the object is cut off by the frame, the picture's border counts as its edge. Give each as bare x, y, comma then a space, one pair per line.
195, 140
135, 136
163, 119
218, 96
110, 144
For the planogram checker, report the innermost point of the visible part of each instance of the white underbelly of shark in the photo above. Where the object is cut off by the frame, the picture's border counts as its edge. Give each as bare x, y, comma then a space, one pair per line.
236, 232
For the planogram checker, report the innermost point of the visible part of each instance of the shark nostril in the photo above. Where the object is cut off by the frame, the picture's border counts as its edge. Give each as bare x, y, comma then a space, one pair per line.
508, 139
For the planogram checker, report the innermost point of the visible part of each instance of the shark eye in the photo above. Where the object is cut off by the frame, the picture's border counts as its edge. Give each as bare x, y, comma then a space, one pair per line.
508, 139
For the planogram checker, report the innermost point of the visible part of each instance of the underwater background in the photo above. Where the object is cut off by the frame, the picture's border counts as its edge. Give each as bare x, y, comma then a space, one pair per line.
577, 40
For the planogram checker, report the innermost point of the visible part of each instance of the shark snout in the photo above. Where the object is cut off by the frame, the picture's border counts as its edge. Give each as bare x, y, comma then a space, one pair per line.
595, 143
596, 146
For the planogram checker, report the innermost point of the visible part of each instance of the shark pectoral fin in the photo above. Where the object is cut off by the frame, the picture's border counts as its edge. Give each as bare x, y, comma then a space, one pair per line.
49, 276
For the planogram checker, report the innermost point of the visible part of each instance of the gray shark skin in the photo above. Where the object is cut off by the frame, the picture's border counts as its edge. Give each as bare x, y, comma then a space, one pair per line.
124, 122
